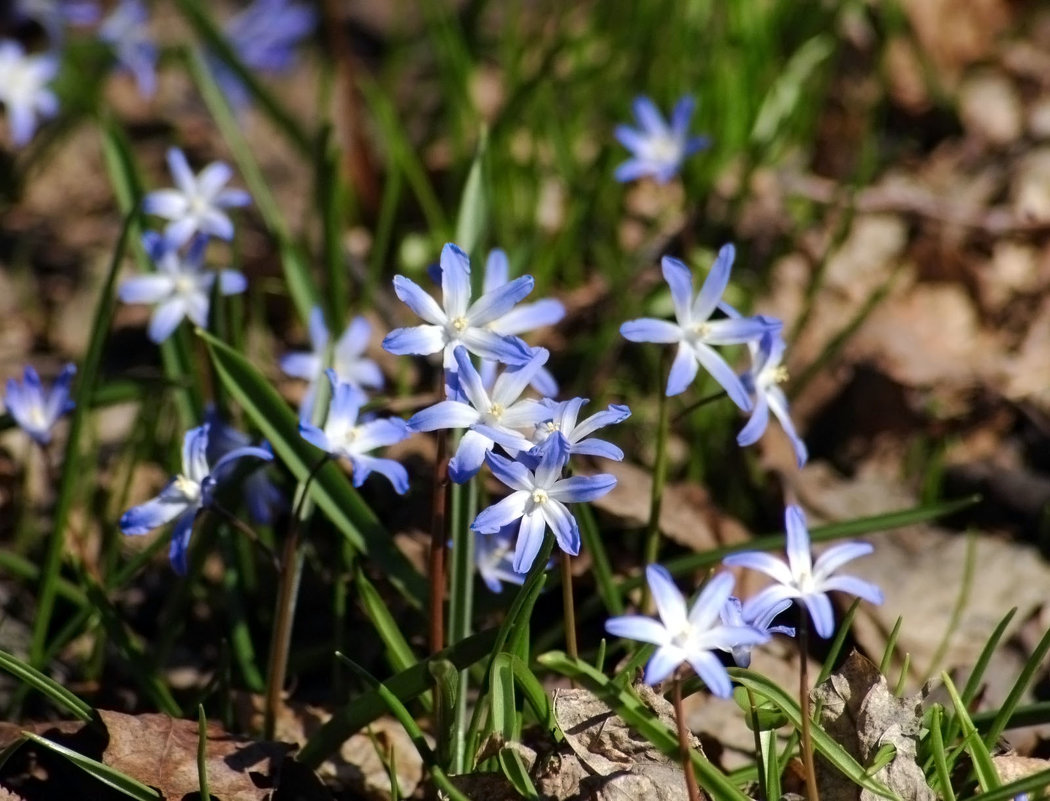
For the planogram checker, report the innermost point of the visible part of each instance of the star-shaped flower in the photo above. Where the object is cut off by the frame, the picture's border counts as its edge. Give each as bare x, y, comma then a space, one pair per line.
658, 149
180, 288
733, 615
802, 579
695, 332
346, 436
563, 419
126, 30
687, 635
35, 410
186, 494
348, 360
24, 89
196, 203
458, 321
538, 500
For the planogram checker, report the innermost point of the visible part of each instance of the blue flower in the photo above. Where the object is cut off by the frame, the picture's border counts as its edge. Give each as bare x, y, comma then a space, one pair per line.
687, 635
261, 495
180, 288
345, 436
733, 615
491, 417
186, 494
539, 499
522, 318
695, 333
459, 322
126, 30
563, 419
195, 205
493, 557
264, 36
348, 360
658, 149
35, 410
24, 89
801, 579
54, 15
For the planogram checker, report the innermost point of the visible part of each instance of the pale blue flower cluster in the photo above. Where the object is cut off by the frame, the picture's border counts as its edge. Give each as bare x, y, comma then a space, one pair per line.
24, 89
537, 436
126, 30
181, 287
658, 148
35, 409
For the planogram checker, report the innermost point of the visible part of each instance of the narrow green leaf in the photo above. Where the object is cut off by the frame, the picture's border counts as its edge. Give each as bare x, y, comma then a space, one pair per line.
891, 643
202, 753
629, 707
822, 741
404, 717
406, 685
50, 688
504, 710
399, 651
987, 776
513, 767
330, 489
472, 220
1017, 789
532, 689
771, 763
1035, 663
105, 774
937, 748
446, 686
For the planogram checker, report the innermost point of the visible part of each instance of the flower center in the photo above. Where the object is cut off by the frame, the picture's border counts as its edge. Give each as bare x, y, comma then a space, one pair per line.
539, 497
185, 284
496, 411
780, 375
664, 149
700, 330
351, 434
189, 488
37, 418
552, 427
198, 205
459, 325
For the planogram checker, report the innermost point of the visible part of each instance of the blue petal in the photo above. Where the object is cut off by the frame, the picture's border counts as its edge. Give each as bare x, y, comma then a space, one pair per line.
528, 316
315, 436
444, 414
647, 329
180, 542
490, 345
420, 340
492, 305
680, 280
637, 627
712, 672
632, 170
578, 489
530, 540
646, 112
493, 518
821, 613
470, 456
418, 301
497, 270
723, 374
514, 474
714, 285
756, 426
597, 447
392, 470
455, 280
683, 370
682, 114
662, 664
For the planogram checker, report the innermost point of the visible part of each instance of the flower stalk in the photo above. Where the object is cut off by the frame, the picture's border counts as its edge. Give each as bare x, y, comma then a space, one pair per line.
683, 743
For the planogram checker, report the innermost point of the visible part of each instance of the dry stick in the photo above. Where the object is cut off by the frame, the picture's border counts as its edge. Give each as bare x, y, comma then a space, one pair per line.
287, 595
568, 607
683, 743
803, 701
438, 533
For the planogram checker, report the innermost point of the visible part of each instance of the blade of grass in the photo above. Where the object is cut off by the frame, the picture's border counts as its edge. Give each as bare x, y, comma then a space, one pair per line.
1032, 666
202, 754
399, 652
987, 776
47, 686
937, 749
105, 774
513, 767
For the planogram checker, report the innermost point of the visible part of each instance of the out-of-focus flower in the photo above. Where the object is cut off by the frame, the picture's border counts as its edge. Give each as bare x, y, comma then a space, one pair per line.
186, 494
521, 319
493, 557
264, 36
695, 332
802, 579
53, 15
733, 615
35, 410
348, 360
658, 149
126, 30
539, 499
345, 436
563, 419
180, 288
459, 322
261, 495
491, 418
195, 205
687, 636
24, 89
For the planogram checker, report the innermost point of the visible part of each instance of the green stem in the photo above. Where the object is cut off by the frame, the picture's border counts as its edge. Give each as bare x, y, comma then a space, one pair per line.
652, 534
803, 701
568, 607
287, 596
461, 603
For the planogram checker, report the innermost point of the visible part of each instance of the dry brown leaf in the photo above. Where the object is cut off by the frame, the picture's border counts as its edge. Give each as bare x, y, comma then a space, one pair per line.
991, 108
862, 715
956, 33
1012, 767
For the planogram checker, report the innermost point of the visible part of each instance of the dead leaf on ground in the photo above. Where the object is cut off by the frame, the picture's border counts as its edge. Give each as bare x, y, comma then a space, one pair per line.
862, 715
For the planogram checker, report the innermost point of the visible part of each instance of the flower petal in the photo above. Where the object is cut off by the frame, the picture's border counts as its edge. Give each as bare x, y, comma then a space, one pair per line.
683, 370
491, 519
648, 329
637, 627
493, 305
582, 489
530, 540
410, 293
469, 457
420, 340
444, 414
669, 601
680, 279
714, 285
455, 281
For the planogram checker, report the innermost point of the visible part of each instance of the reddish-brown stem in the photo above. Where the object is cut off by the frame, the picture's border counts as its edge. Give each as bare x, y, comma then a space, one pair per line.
683, 743
803, 702
438, 535
568, 605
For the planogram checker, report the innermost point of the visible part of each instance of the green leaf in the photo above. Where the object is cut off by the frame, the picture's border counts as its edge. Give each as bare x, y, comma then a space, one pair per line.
406, 685
330, 488
1035, 663
513, 767
504, 710
769, 717
937, 748
822, 741
1013, 790
399, 651
105, 774
472, 219
987, 776
202, 753
637, 715
54, 691
532, 689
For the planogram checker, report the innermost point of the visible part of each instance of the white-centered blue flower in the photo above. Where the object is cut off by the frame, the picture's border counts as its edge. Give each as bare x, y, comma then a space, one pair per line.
195, 205
494, 560
520, 320
802, 579
733, 615
126, 30
687, 635
35, 409
695, 332
348, 360
180, 288
491, 417
658, 149
261, 495
539, 498
564, 418
189, 492
458, 321
345, 436
24, 89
